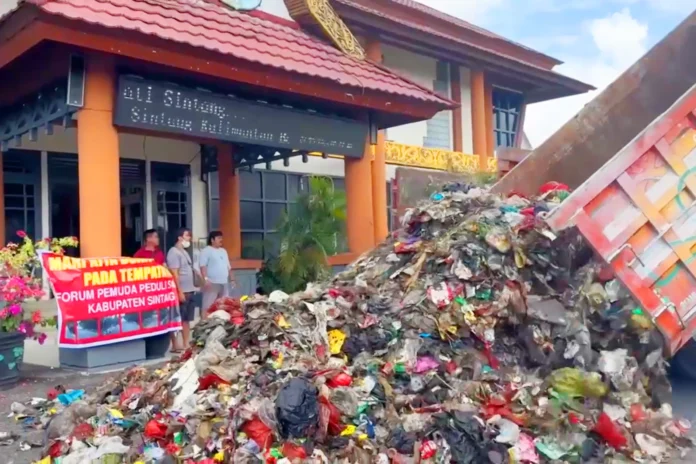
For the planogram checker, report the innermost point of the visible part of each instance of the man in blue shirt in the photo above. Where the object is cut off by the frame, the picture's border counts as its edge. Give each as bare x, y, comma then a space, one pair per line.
215, 270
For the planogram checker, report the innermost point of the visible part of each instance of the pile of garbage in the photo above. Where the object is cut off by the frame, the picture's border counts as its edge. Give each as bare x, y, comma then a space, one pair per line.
474, 335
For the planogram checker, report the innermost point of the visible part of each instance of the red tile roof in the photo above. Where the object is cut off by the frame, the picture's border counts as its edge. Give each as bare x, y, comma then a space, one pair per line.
261, 39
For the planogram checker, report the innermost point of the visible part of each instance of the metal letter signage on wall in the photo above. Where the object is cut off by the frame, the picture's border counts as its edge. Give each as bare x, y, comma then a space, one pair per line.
164, 107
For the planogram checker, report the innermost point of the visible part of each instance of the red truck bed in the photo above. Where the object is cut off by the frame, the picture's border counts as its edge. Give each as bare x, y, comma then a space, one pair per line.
638, 211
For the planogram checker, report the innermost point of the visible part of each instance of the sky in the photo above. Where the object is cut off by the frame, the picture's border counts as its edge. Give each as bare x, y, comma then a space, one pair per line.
596, 39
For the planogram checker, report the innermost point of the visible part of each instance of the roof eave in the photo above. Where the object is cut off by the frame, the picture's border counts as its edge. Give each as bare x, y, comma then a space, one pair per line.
391, 109
545, 81
520, 52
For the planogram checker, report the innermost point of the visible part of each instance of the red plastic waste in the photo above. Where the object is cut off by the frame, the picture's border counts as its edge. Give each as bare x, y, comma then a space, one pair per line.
428, 449
129, 393
52, 394
552, 187
340, 380
172, 449
610, 432
154, 429
210, 380
230, 305
335, 426
293, 451
259, 432
638, 413
83, 431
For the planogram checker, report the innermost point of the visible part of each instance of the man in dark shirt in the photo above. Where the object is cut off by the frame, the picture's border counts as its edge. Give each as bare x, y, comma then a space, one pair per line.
150, 248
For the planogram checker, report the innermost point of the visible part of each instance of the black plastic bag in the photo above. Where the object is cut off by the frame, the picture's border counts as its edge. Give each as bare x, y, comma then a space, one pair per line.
297, 409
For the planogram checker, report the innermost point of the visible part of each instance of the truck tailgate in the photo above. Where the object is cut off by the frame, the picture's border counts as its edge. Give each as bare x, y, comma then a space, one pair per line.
638, 211
613, 118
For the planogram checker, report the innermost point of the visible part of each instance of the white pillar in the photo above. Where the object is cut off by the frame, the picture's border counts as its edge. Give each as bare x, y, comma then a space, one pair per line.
45, 214
149, 222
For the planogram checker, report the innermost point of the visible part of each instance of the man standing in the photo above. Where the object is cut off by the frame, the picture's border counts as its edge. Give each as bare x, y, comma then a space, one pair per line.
150, 248
215, 270
181, 266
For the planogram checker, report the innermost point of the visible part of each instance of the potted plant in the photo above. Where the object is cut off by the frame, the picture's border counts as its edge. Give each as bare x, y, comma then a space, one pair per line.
20, 282
311, 231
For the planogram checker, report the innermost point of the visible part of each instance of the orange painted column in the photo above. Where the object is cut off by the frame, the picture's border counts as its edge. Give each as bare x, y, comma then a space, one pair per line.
479, 115
456, 85
360, 218
230, 208
98, 160
490, 127
379, 165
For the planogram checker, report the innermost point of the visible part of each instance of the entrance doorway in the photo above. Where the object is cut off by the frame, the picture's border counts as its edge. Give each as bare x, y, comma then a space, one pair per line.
132, 174
65, 200
64, 197
172, 200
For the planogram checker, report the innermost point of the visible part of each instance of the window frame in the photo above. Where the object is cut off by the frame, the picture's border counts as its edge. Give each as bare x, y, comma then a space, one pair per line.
507, 104
339, 183
28, 174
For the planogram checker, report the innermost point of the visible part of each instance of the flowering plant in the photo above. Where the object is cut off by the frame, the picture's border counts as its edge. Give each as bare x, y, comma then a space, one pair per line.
20, 281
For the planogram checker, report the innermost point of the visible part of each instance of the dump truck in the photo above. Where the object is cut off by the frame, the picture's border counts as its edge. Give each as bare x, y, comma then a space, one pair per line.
629, 157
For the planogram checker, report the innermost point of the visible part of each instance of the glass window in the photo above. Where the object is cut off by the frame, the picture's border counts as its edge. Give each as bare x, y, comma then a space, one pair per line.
252, 245
14, 189
272, 245
294, 186
252, 215
274, 186
250, 184
507, 107
214, 181
274, 213
214, 214
13, 202
339, 184
266, 195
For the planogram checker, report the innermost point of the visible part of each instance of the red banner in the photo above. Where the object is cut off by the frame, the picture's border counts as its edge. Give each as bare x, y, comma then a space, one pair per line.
108, 300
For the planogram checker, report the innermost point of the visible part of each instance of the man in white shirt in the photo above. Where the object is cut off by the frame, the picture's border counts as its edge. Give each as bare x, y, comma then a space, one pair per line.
215, 270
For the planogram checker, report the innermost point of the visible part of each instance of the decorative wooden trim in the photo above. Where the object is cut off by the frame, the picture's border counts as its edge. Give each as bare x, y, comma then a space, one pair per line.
433, 158
321, 13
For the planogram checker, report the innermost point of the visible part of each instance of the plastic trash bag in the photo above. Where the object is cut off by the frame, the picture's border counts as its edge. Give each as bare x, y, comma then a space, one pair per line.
297, 409
577, 383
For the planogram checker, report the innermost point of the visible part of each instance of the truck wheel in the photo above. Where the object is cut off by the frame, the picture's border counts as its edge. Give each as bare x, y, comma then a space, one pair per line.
684, 362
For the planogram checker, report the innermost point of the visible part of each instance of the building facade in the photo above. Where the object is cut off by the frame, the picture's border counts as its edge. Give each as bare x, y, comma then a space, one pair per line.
429, 91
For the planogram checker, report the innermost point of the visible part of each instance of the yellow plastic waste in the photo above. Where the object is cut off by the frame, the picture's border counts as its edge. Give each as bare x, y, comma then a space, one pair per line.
282, 323
577, 383
116, 414
349, 431
46, 460
278, 363
336, 339
640, 322
219, 456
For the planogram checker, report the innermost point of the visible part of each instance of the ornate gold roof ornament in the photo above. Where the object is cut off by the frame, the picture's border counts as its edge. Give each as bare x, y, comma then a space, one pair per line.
321, 13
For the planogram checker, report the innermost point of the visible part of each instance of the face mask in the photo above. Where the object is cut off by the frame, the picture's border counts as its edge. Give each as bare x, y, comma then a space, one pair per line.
186, 244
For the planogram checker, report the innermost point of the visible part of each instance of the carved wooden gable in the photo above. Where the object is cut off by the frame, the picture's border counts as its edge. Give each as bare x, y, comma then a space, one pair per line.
321, 13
